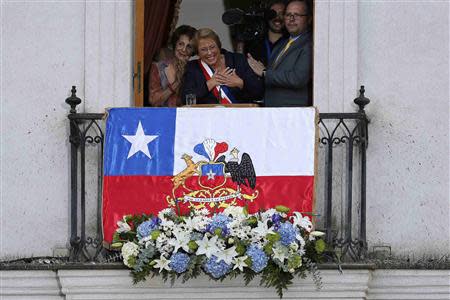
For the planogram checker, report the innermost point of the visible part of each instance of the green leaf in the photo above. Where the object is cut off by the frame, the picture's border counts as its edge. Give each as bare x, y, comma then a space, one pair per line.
252, 220
155, 234
320, 246
282, 209
192, 246
248, 276
240, 248
273, 237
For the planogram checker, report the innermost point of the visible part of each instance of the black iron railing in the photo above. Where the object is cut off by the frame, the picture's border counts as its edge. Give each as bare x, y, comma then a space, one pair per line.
342, 179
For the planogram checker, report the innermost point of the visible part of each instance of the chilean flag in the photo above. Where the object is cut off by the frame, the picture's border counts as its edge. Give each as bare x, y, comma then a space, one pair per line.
187, 158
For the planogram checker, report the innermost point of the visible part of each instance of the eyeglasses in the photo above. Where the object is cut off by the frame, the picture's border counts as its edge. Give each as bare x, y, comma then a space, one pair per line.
294, 16
204, 50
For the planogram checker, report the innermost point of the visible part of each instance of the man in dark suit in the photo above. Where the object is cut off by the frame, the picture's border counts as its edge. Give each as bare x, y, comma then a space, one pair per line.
288, 74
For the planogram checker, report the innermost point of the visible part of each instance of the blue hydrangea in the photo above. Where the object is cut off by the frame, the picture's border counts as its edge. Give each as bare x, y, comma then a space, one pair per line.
216, 269
259, 258
146, 228
219, 221
287, 233
276, 219
179, 262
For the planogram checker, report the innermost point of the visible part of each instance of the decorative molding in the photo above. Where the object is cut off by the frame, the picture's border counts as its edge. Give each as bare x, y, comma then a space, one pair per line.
410, 284
117, 284
335, 55
108, 54
36, 285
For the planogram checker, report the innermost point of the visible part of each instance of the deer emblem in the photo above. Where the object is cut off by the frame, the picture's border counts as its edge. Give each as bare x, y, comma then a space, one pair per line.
191, 169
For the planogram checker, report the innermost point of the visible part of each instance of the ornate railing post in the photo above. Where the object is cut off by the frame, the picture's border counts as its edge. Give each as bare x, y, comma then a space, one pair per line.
81, 127
345, 134
362, 101
74, 140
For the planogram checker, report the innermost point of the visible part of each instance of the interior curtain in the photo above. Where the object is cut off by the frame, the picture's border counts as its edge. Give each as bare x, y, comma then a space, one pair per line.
160, 19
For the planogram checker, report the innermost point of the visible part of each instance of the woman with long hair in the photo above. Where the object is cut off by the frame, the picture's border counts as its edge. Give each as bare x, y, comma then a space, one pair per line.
166, 74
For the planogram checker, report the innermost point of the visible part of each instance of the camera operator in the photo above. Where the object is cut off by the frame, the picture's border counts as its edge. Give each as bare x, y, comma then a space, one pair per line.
261, 49
288, 76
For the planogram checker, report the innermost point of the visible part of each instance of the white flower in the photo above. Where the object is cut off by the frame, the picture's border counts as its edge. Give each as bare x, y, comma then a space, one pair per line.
303, 222
293, 246
162, 263
239, 262
317, 233
181, 240
189, 223
201, 212
129, 249
199, 222
301, 251
227, 255
167, 211
280, 252
149, 243
207, 247
267, 215
237, 212
167, 225
300, 239
123, 226
262, 229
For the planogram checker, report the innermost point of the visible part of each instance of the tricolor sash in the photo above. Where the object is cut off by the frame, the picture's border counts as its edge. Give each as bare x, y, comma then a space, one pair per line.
222, 93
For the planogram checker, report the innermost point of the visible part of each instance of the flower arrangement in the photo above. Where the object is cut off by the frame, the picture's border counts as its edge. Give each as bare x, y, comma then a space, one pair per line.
271, 243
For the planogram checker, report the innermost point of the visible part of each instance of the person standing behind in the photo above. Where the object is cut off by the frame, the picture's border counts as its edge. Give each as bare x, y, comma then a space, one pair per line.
166, 75
261, 49
288, 76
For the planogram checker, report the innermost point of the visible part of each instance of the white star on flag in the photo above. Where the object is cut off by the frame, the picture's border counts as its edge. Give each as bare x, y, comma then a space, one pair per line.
139, 141
211, 174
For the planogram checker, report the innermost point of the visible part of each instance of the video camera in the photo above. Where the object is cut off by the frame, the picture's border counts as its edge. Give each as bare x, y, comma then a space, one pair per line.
248, 25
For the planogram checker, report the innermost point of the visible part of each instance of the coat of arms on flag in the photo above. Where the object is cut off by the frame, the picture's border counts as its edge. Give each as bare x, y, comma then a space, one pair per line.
194, 158
219, 183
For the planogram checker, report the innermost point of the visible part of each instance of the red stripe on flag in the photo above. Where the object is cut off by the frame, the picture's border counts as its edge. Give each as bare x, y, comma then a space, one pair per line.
124, 195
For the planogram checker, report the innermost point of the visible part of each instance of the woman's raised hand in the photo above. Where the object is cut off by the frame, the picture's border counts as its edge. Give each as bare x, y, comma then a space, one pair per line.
229, 78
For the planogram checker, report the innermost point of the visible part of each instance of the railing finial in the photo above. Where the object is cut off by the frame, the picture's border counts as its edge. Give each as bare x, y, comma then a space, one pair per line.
361, 101
73, 100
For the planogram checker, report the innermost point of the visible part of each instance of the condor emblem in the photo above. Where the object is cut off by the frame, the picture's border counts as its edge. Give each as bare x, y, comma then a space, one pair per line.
215, 182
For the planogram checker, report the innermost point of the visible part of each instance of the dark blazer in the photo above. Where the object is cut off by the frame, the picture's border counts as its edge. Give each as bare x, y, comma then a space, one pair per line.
288, 81
195, 81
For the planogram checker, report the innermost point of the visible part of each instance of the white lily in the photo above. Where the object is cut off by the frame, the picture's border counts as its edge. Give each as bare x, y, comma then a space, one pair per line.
162, 263
280, 252
239, 263
227, 255
189, 223
303, 222
123, 226
181, 240
207, 246
317, 233
262, 229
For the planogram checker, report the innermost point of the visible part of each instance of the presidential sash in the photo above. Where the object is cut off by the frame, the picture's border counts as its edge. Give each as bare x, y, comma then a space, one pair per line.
222, 92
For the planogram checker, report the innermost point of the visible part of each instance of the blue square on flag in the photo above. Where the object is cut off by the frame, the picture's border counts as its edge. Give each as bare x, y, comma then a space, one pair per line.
140, 141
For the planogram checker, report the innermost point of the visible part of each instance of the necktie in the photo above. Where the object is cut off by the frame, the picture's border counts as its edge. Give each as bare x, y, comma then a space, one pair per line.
288, 44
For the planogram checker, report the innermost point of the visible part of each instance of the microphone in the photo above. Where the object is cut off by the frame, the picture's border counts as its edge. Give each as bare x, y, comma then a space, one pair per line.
233, 16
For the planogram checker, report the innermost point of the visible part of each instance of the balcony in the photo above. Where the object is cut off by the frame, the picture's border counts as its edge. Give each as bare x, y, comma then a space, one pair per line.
340, 188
